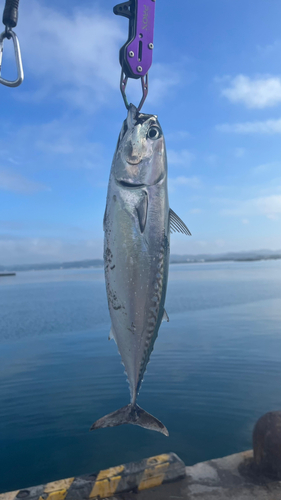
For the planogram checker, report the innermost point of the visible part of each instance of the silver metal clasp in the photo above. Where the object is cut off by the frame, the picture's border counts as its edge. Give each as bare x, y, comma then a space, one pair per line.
10, 34
123, 85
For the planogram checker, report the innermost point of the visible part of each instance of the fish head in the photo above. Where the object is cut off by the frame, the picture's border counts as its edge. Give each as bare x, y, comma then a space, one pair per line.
140, 157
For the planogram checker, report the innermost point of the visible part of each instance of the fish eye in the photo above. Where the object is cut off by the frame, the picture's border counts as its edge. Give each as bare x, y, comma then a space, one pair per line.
153, 133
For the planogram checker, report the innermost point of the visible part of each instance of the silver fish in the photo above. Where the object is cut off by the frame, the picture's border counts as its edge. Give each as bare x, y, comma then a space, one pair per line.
137, 226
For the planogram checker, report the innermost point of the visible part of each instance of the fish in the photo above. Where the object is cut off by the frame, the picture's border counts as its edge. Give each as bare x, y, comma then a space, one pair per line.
137, 226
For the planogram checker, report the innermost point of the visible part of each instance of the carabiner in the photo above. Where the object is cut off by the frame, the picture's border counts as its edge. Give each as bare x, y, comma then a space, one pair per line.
123, 84
9, 33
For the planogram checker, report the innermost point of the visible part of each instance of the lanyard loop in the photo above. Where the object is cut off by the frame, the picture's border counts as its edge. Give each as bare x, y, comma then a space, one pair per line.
10, 14
10, 19
10, 34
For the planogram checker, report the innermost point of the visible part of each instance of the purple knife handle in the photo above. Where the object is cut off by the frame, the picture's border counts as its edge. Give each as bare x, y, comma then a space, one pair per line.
139, 51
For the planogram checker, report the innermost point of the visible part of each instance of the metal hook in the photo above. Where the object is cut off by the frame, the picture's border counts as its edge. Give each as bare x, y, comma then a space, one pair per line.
8, 33
123, 84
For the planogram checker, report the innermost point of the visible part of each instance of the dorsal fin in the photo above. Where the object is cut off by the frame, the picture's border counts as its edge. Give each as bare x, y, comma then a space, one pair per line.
177, 225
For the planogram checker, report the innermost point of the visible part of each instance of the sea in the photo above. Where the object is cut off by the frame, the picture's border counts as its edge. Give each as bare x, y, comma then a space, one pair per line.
215, 369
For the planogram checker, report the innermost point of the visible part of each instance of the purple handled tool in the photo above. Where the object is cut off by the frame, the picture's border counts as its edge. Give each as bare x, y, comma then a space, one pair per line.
136, 54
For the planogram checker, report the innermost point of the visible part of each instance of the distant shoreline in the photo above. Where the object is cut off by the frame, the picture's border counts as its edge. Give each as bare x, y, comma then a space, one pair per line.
202, 261
174, 259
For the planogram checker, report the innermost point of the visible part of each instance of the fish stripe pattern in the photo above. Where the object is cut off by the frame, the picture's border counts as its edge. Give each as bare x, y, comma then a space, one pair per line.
153, 313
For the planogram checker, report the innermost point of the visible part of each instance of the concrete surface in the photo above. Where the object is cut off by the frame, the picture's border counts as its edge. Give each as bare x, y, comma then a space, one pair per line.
235, 477
229, 478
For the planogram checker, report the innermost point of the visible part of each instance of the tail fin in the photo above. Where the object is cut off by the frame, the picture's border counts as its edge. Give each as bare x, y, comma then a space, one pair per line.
131, 414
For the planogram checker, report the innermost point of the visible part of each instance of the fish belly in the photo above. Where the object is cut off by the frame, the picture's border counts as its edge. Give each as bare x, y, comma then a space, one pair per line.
136, 270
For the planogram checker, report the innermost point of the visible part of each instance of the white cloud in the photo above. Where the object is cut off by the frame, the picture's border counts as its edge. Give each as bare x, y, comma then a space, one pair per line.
267, 127
182, 157
192, 182
163, 79
67, 140
44, 250
260, 92
178, 135
269, 206
266, 167
60, 143
73, 57
271, 50
220, 243
212, 159
10, 225
12, 160
11, 181
239, 152
70, 56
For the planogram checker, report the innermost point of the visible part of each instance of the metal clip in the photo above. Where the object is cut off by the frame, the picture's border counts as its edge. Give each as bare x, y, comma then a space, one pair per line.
123, 84
9, 33
135, 55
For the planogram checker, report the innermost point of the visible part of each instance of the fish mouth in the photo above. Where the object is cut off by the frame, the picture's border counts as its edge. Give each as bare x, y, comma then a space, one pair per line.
133, 162
130, 184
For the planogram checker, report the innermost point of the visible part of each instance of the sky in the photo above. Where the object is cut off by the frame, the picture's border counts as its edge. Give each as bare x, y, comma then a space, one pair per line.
215, 84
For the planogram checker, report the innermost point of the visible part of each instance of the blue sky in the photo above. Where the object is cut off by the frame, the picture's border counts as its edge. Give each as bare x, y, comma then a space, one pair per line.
215, 84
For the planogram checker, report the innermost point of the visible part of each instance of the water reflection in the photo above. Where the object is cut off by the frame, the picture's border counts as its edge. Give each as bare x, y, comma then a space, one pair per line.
215, 369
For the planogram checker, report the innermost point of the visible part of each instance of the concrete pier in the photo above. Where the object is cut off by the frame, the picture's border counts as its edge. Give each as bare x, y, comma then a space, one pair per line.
228, 478
161, 478
249, 475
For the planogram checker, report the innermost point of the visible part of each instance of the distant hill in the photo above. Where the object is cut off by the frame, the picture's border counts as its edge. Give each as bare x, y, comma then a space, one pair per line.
230, 256
54, 265
174, 259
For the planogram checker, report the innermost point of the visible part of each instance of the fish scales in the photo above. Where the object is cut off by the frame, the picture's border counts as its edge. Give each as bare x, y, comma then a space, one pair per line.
134, 261
136, 254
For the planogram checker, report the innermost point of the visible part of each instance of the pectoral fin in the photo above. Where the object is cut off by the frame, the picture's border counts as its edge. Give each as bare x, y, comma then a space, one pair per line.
142, 211
177, 225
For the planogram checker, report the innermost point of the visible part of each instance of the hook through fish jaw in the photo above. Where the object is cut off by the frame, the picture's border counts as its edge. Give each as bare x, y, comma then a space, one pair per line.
10, 34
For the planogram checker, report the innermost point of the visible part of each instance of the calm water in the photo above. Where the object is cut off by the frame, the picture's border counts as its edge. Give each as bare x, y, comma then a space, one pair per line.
215, 369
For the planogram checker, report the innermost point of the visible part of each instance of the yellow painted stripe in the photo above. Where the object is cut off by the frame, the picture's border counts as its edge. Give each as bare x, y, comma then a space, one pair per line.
62, 484
113, 471
9, 496
57, 495
57, 490
107, 482
153, 476
159, 459
105, 488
